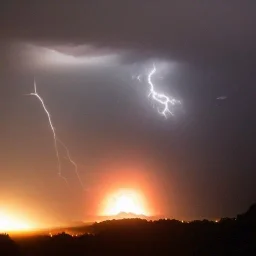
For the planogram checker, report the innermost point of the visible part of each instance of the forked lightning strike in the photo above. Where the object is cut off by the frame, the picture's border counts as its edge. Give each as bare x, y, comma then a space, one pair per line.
161, 98
56, 140
72, 162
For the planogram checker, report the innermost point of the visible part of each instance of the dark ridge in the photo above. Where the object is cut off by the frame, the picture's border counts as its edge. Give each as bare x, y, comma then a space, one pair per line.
135, 236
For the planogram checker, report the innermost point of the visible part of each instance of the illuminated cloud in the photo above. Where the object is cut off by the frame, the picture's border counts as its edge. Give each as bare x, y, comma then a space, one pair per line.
36, 57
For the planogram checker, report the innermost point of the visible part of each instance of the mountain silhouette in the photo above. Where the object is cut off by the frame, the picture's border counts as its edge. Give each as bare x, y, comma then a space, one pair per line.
249, 215
129, 215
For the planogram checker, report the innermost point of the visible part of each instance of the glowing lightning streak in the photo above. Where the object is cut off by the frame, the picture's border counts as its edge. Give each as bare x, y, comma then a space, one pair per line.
159, 97
53, 130
72, 162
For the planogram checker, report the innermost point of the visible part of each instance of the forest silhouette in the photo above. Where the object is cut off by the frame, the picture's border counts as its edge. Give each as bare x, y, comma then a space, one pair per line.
228, 236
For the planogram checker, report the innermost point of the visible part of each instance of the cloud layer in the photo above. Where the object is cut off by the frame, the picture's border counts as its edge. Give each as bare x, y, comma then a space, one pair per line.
185, 30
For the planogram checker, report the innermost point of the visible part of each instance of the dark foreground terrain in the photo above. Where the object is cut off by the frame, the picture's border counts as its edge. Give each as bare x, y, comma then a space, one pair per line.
235, 236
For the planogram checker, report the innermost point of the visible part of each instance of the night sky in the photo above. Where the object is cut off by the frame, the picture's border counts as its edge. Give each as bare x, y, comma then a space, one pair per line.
85, 56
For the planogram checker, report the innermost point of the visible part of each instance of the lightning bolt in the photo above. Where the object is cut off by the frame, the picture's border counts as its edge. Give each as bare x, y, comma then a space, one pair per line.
168, 103
56, 140
72, 162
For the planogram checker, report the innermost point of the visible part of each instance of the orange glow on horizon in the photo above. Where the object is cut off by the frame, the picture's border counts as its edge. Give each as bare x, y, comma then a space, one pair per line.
14, 223
124, 201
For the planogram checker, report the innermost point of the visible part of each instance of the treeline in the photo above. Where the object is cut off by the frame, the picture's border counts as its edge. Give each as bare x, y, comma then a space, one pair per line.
235, 236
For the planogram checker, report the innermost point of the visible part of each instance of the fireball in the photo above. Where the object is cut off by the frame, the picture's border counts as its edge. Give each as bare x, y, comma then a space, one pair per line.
124, 200
10, 222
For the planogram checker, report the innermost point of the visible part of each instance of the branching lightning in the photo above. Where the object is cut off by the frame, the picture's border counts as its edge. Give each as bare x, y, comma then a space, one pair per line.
167, 102
166, 105
56, 140
72, 162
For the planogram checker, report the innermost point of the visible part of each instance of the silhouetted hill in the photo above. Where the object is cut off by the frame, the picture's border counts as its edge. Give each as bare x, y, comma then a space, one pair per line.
7, 246
125, 215
121, 215
249, 215
135, 236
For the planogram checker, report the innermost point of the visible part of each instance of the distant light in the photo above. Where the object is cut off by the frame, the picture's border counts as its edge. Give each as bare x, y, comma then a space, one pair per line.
182, 221
216, 221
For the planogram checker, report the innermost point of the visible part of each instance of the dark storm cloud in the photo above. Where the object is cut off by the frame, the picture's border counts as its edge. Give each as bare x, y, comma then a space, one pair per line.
189, 30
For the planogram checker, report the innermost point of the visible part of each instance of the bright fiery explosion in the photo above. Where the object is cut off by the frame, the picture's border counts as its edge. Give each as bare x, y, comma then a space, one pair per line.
9, 222
124, 201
